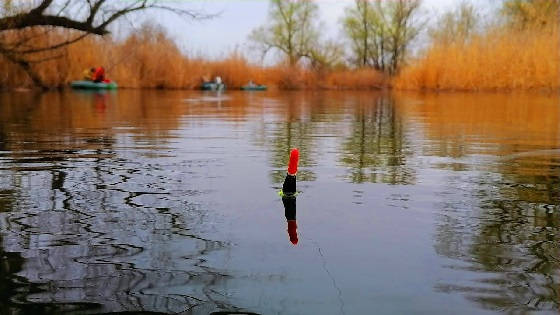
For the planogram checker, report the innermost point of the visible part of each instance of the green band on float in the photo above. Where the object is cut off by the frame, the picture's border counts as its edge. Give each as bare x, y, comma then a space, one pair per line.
283, 195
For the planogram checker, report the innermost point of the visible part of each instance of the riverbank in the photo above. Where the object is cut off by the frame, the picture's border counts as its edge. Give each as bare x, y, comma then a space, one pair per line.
496, 61
150, 59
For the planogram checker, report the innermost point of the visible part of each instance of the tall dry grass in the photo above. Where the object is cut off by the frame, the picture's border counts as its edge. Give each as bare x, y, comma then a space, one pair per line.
150, 59
45, 63
363, 79
501, 59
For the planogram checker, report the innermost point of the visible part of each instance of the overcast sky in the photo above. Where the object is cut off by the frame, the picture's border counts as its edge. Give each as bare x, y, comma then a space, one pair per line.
218, 36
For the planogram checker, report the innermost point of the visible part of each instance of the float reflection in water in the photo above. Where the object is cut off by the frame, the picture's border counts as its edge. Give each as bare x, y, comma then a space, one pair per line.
290, 213
288, 194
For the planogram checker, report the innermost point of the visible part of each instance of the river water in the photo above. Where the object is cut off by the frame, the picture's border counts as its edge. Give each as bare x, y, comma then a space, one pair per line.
167, 201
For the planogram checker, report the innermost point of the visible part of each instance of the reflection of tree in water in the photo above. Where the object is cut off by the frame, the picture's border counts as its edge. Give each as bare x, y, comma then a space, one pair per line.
507, 232
109, 249
10, 263
85, 227
2, 139
292, 131
375, 150
6, 200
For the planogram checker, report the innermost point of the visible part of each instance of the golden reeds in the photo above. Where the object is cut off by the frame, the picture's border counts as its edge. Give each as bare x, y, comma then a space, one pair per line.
501, 59
149, 59
363, 79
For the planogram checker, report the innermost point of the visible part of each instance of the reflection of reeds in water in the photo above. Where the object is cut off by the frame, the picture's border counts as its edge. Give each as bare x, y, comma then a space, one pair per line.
502, 227
500, 59
499, 124
498, 216
97, 113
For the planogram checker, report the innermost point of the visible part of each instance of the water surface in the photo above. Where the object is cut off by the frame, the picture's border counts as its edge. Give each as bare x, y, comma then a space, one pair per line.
167, 202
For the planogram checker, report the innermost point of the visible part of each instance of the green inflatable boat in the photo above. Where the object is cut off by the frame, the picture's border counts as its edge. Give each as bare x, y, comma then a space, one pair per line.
90, 85
253, 87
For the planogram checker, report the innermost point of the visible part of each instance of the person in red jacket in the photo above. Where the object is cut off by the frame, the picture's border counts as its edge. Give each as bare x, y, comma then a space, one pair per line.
99, 75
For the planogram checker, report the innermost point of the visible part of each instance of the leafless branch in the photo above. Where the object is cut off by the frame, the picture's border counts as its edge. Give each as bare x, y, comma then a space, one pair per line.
99, 16
53, 47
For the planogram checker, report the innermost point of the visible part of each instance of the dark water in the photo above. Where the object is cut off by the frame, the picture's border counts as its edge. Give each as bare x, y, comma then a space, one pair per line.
167, 202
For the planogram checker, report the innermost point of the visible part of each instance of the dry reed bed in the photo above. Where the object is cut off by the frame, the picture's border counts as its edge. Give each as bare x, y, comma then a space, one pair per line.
150, 59
502, 59
498, 60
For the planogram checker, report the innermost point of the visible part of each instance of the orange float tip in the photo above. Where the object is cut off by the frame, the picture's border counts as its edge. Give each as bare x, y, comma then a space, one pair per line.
294, 160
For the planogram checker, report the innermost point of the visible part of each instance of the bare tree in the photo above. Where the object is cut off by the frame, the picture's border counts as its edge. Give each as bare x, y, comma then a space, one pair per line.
456, 25
292, 29
325, 55
402, 29
381, 31
83, 16
531, 13
358, 24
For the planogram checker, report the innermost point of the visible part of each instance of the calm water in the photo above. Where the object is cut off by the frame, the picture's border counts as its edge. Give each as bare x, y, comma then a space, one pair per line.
167, 202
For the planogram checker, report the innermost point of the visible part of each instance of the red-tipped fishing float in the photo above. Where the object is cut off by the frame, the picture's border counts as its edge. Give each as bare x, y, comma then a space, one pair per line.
289, 187
294, 160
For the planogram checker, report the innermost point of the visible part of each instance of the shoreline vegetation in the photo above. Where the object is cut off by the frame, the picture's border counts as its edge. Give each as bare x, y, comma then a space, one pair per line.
500, 60
519, 52
150, 59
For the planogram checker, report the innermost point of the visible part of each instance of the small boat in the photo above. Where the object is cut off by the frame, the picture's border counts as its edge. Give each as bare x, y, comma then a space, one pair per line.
212, 86
253, 87
90, 85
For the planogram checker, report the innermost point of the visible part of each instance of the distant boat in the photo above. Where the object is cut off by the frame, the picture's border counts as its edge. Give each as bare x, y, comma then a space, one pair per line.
212, 86
90, 85
254, 87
